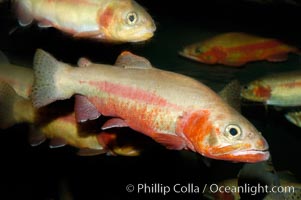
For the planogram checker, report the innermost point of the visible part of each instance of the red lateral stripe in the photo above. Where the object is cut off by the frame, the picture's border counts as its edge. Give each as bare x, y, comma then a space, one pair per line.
256, 46
136, 94
87, 2
291, 85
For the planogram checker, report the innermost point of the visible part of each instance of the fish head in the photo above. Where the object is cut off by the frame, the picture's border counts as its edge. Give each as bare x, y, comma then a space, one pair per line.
127, 21
201, 53
256, 91
226, 136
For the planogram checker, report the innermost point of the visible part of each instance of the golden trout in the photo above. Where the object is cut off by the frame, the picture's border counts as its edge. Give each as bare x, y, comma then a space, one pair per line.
236, 49
55, 122
174, 110
281, 89
105, 20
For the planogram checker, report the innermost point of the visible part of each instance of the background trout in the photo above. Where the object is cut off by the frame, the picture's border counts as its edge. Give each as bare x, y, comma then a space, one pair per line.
105, 20
281, 89
237, 49
174, 110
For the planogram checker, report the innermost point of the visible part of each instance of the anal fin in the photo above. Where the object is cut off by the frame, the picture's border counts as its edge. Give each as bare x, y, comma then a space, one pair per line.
278, 57
114, 123
36, 136
91, 152
57, 142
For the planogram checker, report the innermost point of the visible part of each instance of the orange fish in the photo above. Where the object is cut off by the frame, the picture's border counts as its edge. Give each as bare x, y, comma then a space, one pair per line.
105, 20
174, 110
236, 49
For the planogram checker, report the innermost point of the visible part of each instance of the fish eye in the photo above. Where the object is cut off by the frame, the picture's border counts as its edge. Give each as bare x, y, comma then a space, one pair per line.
198, 50
233, 131
245, 87
131, 18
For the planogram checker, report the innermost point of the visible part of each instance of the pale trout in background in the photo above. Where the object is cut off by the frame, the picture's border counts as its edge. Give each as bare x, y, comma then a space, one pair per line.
281, 89
104, 20
237, 49
174, 110
294, 117
56, 122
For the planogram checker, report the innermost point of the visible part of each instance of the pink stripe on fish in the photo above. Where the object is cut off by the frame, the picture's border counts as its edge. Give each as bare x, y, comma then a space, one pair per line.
291, 85
253, 47
130, 93
87, 2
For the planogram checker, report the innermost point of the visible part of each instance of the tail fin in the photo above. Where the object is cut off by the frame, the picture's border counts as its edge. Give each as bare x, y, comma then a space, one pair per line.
45, 90
8, 99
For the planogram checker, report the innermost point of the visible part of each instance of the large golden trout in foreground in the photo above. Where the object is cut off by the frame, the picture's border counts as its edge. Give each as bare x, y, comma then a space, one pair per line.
175, 110
105, 20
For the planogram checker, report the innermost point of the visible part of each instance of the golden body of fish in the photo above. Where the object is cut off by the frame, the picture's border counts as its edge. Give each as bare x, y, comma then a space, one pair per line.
105, 20
237, 49
281, 89
174, 110
53, 122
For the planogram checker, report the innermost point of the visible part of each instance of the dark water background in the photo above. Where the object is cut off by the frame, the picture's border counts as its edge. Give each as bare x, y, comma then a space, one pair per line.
37, 173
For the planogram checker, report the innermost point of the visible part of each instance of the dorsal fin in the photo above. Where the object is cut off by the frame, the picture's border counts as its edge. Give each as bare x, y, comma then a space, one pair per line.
231, 94
84, 62
128, 60
3, 58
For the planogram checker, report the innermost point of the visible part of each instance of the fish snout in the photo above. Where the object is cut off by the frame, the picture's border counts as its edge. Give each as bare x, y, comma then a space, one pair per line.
261, 144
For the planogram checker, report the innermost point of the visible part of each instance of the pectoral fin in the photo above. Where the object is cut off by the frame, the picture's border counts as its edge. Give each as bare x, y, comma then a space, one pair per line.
84, 109
44, 24
169, 141
23, 13
89, 34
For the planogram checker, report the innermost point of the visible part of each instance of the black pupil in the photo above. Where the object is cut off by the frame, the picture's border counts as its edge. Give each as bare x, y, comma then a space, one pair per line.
233, 131
131, 18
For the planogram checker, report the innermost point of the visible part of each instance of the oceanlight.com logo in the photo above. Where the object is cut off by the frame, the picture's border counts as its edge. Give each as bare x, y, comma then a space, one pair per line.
249, 189
190, 188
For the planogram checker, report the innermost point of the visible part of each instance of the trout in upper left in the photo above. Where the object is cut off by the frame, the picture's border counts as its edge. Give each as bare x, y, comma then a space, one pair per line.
105, 20
174, 110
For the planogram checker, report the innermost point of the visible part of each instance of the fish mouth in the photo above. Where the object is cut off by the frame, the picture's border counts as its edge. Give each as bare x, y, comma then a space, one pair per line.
252, 155
186, 55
